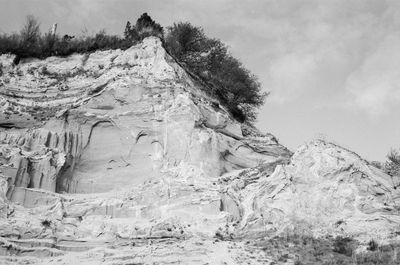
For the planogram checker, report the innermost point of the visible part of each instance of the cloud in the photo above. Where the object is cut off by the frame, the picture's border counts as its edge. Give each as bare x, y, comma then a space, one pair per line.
375, 86
341, 53
290, 74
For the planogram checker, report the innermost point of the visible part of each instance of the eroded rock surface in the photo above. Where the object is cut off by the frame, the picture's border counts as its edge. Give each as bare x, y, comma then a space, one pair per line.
120, 157
324, 190
120, 113
117, 146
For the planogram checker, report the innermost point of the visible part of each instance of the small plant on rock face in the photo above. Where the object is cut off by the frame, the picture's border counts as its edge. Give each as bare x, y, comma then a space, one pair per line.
372, 245
46, 223
31, 71
44, 71
283, 258
343, 245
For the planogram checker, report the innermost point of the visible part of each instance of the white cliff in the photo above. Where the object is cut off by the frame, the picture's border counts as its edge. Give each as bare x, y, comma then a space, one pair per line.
121, 157
325, 190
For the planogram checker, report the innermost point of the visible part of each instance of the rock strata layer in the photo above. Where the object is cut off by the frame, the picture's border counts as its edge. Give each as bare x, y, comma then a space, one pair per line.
120, 157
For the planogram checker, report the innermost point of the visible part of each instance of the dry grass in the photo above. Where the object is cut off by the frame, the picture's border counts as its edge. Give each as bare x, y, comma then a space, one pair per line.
304, 250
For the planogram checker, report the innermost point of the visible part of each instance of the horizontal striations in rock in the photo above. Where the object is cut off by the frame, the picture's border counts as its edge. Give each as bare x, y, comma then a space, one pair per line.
117, 146
121, 156
120, 113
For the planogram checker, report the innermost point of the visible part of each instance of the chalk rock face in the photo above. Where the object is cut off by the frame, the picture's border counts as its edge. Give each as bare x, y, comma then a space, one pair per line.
115, 149
94, 123
122, 157
325, 190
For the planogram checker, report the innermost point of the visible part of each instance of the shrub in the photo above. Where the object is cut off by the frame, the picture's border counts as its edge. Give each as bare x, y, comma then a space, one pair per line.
392, 165
145, 26
183, 38
372, 245
46, 223
343, 245
30, 37
130, 32
47, 44
31, 43
381, 256
378, 164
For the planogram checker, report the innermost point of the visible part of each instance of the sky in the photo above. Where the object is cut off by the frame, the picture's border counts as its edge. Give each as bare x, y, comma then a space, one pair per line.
332, 67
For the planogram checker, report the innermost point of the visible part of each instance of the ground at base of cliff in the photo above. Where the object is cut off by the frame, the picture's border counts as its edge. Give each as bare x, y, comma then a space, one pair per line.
305, 250
291, 249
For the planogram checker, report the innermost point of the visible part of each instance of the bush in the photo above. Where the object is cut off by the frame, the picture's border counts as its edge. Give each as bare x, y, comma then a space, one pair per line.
236, 88
30, 37
183, 38
145, 27
372, 245
392, 165
316, 251
131, 33
343, 245
9, 43
30, 42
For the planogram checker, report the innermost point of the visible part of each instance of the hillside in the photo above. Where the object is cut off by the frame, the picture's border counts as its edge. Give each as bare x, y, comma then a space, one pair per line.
120, 157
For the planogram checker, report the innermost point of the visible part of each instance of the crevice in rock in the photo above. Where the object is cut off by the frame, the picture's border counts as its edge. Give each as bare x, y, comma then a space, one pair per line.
64, 177
140, 134
8, 125
91, 131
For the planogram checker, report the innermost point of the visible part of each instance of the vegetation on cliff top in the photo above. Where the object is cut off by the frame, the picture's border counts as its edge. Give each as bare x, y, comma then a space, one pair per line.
392, 165
30, 42
208, 58
226, 78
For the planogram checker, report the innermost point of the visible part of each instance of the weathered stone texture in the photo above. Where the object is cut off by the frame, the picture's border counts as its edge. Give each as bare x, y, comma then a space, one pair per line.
121, 157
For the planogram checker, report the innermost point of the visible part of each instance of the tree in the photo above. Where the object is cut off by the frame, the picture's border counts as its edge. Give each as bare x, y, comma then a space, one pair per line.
130, 33
30, 33
127, 30
392, 165
183, 38
235, 87
146, 26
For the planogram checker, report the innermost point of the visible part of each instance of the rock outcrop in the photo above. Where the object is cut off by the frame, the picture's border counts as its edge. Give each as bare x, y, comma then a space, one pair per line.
116, 146
121, 157
120, 113
324, 190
